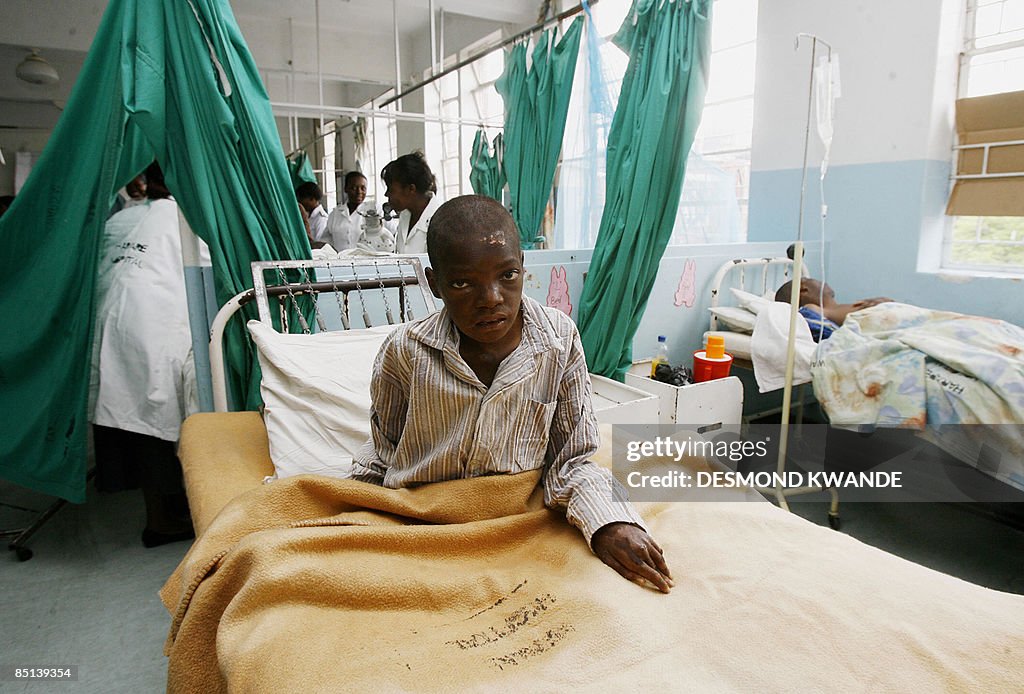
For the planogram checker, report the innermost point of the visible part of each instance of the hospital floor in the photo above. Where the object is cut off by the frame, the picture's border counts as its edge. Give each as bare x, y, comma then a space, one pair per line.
88, 597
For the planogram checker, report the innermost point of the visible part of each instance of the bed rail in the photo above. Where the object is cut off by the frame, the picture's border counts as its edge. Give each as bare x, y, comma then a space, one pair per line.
754, 275
331, 283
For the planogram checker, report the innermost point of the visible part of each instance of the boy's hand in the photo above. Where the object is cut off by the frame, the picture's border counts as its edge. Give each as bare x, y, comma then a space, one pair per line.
634, 554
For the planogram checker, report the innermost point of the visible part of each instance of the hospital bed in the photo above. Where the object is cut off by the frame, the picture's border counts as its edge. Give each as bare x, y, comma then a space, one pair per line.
312, 583
929, 388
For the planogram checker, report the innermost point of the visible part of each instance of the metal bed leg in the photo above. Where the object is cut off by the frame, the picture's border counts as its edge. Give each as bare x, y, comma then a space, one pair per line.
833, 510
22, 535
17, 545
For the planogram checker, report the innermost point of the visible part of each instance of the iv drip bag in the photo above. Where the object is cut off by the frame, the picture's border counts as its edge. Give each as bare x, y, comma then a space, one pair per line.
826, 91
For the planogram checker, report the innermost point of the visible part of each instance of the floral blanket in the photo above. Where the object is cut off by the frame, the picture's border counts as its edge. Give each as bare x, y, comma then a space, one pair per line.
958, 377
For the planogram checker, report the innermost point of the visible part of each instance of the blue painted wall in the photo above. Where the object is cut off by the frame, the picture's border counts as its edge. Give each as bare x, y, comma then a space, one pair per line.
667, 312
876, 217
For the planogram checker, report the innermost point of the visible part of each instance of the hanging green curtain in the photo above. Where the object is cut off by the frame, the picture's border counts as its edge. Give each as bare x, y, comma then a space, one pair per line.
164, 79
659, 109
486, 174
300, 170
536, 101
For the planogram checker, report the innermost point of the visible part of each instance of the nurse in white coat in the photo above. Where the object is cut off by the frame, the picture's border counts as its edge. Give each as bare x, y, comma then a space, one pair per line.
141, 360
346, 222
412, 192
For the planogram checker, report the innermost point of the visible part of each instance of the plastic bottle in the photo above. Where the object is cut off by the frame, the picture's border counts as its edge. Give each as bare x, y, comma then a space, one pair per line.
661, 356
711, 362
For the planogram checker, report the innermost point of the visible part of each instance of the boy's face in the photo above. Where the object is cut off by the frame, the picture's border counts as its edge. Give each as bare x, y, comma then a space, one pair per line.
481, 284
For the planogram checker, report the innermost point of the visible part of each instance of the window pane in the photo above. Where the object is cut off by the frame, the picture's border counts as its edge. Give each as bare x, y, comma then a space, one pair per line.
725, 126
733, 22
608, 16
1013, 15
988, 242
732, 73
987, 20
992, 73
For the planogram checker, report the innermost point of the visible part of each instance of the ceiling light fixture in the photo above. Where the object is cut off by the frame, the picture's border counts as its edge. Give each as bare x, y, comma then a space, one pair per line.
35, 70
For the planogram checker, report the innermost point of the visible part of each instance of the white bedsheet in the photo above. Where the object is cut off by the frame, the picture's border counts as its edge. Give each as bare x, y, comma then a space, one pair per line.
769, 345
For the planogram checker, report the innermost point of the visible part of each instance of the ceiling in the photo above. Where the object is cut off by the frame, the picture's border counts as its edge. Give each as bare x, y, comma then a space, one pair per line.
65, 35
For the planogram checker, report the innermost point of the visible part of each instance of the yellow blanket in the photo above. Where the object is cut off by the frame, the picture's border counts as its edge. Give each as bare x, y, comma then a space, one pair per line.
313, 584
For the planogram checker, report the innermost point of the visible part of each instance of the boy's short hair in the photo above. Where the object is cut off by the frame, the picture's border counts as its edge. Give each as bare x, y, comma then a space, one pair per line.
464, 215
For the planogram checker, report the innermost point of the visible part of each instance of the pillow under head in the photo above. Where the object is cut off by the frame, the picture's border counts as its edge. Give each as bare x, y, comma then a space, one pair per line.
735, 318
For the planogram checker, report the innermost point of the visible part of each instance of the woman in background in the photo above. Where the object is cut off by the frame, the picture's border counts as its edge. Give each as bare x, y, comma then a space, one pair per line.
412, 192
142, 376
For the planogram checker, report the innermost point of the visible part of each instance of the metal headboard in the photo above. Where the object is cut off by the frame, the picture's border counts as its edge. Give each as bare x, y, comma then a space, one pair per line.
374, 281
754, 275
340, 278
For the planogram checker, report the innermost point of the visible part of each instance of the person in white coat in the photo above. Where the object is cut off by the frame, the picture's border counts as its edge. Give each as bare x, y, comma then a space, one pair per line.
412, 192
309, 196
347, 221
142, 373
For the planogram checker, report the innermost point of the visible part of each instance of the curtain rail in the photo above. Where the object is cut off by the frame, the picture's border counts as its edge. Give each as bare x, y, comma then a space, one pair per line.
540, 26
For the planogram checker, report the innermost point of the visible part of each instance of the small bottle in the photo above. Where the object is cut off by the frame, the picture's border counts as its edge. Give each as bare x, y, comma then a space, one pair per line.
661, 356
711, 362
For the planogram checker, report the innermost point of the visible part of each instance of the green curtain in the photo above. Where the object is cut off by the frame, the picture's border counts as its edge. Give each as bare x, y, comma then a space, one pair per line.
486, 174
536, 101
300, 170
166, 79
659, 109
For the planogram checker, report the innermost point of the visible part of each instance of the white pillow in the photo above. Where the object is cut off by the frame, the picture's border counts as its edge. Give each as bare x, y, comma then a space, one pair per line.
752, 302
316, 395
739, 319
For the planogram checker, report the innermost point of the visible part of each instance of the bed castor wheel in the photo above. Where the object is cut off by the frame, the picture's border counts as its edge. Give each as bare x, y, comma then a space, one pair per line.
22, 553
833, 521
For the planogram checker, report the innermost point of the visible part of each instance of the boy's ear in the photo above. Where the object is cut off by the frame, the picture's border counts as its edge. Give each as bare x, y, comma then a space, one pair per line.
432, 282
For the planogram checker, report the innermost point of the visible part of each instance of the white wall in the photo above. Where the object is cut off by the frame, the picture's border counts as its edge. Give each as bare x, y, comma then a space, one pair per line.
898, 72
889, 174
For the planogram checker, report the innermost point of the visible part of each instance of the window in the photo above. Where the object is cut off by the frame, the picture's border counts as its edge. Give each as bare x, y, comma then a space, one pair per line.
466, 99
713, 206
714, 202
992, 62
376, 144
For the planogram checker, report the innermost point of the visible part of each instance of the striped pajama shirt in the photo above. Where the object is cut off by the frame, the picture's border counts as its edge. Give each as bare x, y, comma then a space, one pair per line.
432, 419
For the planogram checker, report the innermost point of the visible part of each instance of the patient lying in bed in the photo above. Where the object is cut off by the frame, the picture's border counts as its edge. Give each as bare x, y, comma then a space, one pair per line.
495, 384
819, 307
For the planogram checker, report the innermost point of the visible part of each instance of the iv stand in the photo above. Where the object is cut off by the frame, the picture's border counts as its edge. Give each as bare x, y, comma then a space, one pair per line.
794, 307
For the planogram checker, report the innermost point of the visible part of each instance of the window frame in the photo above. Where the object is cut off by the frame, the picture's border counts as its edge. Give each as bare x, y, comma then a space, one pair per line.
969, 49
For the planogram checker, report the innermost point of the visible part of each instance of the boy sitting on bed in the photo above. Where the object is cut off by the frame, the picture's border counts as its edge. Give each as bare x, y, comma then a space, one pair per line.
496, 383
818, 306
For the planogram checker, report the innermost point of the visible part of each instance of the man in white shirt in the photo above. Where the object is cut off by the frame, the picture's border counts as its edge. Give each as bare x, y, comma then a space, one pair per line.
309, 196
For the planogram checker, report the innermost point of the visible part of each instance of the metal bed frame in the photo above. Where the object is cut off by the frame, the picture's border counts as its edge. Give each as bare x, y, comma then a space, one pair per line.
278, 301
